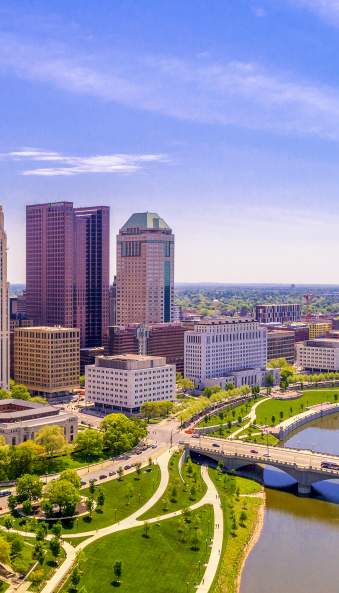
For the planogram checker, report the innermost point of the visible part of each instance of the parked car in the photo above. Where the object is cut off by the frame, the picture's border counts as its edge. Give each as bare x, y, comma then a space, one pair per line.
102, 477
83, 483
215, 445
112, 473
254, 451
127, 467
5, 492
154, 446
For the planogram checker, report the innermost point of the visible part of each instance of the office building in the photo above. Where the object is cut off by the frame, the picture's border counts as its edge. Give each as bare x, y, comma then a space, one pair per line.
279, 313
47, 360
159, 339
20, 420
145, 270
91, 274
228, 351
319, 355
125, 382
281, 344
88, 356
4, 312
67, 268
319, 329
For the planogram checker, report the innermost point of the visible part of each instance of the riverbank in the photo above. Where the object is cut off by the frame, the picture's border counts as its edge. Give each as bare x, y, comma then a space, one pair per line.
240, 537
254, 537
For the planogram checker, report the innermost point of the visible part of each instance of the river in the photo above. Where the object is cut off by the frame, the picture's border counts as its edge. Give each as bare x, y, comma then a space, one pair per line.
298, 547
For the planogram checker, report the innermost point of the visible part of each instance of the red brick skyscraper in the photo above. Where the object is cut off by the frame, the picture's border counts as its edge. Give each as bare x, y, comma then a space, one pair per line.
67, 268
145, 270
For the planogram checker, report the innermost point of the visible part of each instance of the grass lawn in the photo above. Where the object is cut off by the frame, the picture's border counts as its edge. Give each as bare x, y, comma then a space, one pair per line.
162, 563
224, 432
3, 586
235, 541
288, 408
70, 461
224, 416
122, 498
75, 541
179, 494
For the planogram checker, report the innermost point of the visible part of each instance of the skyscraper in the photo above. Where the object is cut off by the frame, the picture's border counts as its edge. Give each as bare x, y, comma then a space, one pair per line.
92, 272
145, 270
67, 268
4, 311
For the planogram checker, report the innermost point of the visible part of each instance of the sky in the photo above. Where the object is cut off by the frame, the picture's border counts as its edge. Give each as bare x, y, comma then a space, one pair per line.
220, 115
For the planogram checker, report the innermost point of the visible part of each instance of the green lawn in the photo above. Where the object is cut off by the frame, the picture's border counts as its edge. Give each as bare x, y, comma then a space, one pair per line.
122, 498
235, 541
70, 461
162, 563
288, 408
224, 432
225, 416
3, 586
179, 494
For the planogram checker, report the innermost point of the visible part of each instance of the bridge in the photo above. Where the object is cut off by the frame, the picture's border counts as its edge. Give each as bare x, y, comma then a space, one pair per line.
304, 466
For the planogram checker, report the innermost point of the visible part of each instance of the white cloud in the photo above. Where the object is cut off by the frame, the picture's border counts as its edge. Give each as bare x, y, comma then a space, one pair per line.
326, 9
223, 92
75, 165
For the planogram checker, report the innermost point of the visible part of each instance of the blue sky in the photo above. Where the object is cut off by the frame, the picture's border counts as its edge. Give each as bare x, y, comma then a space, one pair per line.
222, 115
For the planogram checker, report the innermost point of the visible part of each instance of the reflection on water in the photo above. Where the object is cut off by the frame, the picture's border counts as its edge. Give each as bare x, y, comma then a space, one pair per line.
297, 551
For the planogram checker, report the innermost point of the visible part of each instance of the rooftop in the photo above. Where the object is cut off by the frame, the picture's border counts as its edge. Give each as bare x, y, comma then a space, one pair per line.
130, 361
15, 410
145, 221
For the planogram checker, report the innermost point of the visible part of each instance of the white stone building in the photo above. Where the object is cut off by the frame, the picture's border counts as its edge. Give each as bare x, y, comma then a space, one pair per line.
21, 420
228, 351
125, 382
4, 309
319, 355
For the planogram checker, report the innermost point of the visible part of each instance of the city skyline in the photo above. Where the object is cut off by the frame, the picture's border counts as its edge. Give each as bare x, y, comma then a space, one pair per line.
225, 121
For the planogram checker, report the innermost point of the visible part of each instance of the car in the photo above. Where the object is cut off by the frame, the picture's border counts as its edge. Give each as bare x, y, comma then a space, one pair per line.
154, 446
83, 483
182, 442
5, 492
266, 454
195, 436
102, 477
215, 445
127, 467
112, 473
254, 451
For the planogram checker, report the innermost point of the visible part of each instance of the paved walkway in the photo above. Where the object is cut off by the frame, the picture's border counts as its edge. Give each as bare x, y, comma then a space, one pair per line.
251, 418
211, 497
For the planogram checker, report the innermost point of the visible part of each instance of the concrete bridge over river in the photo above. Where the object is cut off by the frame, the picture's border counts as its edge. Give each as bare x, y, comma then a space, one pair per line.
304, 466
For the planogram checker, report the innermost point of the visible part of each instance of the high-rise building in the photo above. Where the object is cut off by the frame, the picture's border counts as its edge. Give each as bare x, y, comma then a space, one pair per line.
159, 339
47, 359
67, 268
4, 308
125, 382
281, 344
92, 272
145, 270
280, 313
229, 351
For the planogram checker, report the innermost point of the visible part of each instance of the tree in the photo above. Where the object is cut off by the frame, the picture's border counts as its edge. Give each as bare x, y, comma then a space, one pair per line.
89, 442
101, 498
121, 433
255, 390
20, 392
146, 529
52, 439
243, 518
27, 507
138, 468
71, 476
273, 420
5, 550
120, 472
269, 382
92, 486
12, 502
281, 414
28, 487
75, 578
55, 547
90, 505
56, 529
4, 394
63, 494
39, 552
8, 521
117, 571
16, 543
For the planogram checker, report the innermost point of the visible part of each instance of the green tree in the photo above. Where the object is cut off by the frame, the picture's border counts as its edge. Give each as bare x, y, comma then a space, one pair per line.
52, 439
117, 571
90, 505
120, 472
75, 578
28, 487
12, 502
55, 547
27, 507
100, 498
57, 529
90, 442
20, 392
269, 382
146, 529
71, 476
121, 433
63, 494
5, 550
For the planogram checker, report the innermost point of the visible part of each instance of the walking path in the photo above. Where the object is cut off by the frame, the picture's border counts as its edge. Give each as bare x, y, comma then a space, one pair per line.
251, 418
211, 497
